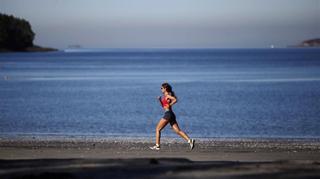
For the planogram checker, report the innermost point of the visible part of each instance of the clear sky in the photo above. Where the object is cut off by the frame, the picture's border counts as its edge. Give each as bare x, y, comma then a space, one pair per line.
168, 23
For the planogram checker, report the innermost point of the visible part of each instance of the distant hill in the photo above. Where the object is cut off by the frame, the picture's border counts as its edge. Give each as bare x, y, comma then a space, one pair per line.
310, 43
16, 35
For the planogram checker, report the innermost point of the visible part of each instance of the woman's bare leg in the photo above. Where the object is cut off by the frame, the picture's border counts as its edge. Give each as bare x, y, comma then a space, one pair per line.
176, 128
162, 123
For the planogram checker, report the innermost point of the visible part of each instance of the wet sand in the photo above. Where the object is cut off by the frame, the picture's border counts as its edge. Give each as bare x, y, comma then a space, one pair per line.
34, 157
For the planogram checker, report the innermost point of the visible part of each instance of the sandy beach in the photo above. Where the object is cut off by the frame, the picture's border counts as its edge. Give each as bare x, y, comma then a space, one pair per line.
86, 157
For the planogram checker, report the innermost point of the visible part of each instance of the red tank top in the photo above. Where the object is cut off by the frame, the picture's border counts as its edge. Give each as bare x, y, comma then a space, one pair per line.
164, 102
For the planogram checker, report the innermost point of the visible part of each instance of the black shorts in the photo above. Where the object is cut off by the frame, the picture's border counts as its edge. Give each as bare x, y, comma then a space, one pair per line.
170, 116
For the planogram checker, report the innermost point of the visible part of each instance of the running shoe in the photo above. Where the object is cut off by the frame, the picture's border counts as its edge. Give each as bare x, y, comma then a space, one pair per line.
192, 144
156, 147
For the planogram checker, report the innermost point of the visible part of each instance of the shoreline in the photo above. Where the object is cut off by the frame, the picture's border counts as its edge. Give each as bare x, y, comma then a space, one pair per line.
119, 157
58, 136
121, 147
34, 48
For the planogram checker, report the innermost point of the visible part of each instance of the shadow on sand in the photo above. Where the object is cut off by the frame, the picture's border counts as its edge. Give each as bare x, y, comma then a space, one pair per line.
155, 168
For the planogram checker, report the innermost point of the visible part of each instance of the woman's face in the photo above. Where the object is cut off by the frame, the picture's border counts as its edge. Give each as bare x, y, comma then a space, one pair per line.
163, 89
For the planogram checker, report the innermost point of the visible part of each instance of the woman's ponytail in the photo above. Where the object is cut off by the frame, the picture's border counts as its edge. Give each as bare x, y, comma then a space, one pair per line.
169, 89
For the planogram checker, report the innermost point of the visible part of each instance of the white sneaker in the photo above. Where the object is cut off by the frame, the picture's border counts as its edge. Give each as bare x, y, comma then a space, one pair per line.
191, 143
156, 147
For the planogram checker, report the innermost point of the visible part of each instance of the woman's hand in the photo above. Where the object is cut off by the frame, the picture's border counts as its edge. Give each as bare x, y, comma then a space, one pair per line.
159, 99
171, 100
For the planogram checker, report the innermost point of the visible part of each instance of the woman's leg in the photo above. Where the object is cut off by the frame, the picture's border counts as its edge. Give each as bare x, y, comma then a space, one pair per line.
176, 128
162, 123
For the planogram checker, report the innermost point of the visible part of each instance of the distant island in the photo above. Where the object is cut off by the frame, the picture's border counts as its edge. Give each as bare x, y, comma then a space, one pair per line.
311, 43
16, 35
308, 43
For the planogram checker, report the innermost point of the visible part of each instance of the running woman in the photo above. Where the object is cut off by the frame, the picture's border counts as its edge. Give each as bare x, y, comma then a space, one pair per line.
167, 101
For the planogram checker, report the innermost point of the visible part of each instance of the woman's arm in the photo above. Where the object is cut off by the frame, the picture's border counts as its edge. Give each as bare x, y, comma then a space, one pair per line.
159, 98
173, 100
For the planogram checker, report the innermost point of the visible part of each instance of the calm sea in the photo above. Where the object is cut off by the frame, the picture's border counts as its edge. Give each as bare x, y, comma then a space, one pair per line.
272, 93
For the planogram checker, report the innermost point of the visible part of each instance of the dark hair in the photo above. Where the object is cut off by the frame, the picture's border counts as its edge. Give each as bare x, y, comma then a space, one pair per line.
168, 89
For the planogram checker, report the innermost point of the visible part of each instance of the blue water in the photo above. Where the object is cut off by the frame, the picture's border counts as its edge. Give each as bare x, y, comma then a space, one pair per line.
222, 92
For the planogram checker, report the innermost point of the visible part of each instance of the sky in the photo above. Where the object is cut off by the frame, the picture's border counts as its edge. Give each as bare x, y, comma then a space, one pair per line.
168, 23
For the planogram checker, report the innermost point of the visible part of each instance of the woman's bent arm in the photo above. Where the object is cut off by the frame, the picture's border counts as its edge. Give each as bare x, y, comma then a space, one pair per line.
173, 100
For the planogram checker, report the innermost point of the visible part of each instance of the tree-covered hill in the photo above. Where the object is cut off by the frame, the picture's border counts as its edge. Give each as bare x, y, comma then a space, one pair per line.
16, 35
